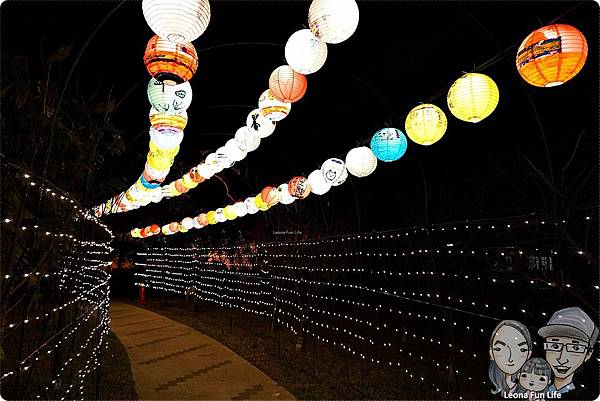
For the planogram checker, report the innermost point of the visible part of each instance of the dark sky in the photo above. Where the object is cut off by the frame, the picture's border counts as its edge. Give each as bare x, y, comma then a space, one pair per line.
403, 53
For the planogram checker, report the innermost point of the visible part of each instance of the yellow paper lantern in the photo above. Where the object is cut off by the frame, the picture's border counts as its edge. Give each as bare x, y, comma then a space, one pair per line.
211, 217
426, 124
260, 204
229, 212
473, 97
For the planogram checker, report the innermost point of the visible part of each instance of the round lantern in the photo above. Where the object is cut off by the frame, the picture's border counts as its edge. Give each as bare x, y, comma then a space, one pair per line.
229, 212
219, 215
334, 171
250, 205
187, 223
195, 175
426, 124
204, 170
240, 209
233, 151
177, 20
473, 97
259, 124
136, 233
165, 229
298, 187
183, 229
552, 55
154, 173
287, 85
188, 182
166, 138
211, 217
169, 62
389, 144
155, 229
361, 161
216, 161
197, 224
270, 196
202, 219
318, 184
162, 120
246, 139
304, 52
169, 99
284, 195
260, 204
272, 108
174, 227
333, 21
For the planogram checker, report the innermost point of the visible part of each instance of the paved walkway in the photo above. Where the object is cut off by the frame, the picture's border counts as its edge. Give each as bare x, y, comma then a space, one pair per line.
172, 361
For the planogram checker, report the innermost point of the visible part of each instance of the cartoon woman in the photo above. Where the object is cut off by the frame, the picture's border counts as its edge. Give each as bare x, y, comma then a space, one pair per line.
534, 377
510, 347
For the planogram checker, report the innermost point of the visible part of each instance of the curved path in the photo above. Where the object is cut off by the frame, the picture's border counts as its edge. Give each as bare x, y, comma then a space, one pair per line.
172, 361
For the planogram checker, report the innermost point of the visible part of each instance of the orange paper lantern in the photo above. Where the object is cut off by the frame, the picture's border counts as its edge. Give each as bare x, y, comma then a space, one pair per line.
195, 176
155, 229
169, 62
202, 219
551, 55
180, 187
287, 85
270, 196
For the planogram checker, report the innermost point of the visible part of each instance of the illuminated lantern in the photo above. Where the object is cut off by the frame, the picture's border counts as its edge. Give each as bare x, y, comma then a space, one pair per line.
219, 214
166, 138
155, 229
233, 151
162, 120
154, 173
195, 175
202, 219
240, 209
304, 52
426, 124
259, 124
216, 162
250, 205
284, 194
318, 184
246, 139
287, 85
165, 229
473, 97
204, 170
148, 184
135, 233
156, 195
163, 152
361, 161
272, 108
552, 55
177, 20
270, 196
170, 63
211, 217
222, 157
187, 223
196, 223
260, 204
334, 171
333, 21
180, 187
159, 163
183, 229
229, 212
298, 187
389, 144
174, 227
169, 99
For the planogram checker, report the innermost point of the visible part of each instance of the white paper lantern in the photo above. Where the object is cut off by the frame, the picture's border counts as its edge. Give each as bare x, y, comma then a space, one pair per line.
155, 173
318, 184
166, 138
361, 161
259, 124
333, 21
304, 52
285, 197
156, 195
177, 20
233, 151
334, 171
223, 158
250, 206
196, 223
273, 108
204, 170
187, 223
220, 215
240, 209
169, 99
246, 139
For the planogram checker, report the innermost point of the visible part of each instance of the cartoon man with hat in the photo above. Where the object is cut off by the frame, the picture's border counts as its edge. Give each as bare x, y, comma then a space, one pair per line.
569, 339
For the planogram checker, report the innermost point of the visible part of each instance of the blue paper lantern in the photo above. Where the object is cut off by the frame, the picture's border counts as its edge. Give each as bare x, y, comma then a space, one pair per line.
389, 144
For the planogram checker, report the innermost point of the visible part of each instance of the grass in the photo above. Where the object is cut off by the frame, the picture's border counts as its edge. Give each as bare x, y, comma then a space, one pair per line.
116, 379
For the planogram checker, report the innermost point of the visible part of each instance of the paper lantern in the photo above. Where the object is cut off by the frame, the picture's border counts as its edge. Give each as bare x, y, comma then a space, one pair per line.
304, 52
204, 170
233, 151
361, 161
333, 21
195, 175
272, 108
426, 124
181, 187
250, 205
259, 124
187, 223
165, 229
298, 187
169, 62
219, 215
154, 173
334, 171
552, 55
229, 212
318, 184
177, 20
174, 227
202, 219
135, 233
216, 162
183, 229
187, 181
270, 196
284, 194
246, 139
260, 204
169, 99
197, 224
473, 97
240, 209
211, 217
155, 229
286, 84
162, 120
389, 144
166, 138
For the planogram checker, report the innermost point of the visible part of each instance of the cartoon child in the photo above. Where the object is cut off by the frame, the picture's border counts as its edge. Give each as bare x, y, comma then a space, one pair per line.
534, 377
569, 339
510, 347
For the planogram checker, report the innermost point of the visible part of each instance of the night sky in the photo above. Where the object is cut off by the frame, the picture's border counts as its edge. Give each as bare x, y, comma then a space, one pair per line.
402, 53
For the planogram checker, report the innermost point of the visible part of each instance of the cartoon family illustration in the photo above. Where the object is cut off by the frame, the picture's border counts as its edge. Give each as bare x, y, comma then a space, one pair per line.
569, 338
